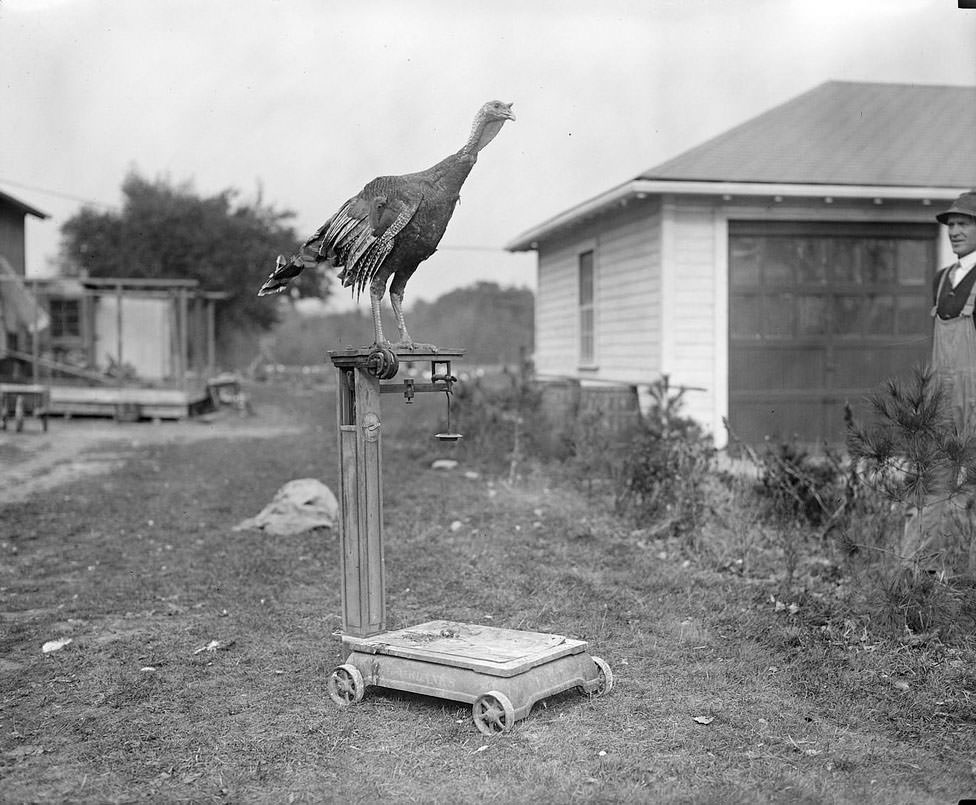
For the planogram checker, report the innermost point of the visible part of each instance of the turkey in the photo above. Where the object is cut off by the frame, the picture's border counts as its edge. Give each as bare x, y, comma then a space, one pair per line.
391, 227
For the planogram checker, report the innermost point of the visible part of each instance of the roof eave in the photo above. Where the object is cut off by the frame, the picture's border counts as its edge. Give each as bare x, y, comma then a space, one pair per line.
26, 209
639, 188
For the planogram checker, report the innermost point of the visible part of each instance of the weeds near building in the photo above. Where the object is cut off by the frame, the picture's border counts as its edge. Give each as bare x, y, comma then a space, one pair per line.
800, 497
818, 526
501, 420
666, 467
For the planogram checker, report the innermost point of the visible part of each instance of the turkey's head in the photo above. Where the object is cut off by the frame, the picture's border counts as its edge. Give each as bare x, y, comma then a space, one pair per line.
489, 121
497, 110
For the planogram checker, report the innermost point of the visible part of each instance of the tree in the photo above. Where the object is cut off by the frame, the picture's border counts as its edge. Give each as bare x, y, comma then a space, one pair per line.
165, 231
492, 323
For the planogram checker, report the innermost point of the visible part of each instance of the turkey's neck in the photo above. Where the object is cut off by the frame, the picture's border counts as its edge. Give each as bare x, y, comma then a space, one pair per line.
453, 170
482, 133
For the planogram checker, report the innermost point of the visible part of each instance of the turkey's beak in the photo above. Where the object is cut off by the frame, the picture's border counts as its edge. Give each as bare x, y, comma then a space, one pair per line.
509, 114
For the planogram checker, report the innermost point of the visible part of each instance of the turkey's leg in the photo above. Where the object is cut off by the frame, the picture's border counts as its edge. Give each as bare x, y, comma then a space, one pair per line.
374, 304
396, 301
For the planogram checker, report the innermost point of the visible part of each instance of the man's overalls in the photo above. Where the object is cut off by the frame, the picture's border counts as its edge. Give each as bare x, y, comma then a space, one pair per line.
954, 365
954, 358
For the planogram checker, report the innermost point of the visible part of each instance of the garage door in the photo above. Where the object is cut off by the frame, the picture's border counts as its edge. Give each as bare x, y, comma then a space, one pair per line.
820, 314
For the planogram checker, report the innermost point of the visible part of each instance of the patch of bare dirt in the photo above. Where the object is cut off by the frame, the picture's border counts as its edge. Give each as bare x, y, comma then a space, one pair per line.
34, 462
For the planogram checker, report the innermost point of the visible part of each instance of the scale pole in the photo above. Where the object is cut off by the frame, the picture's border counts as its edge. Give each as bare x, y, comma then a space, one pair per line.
358, 423
361, 499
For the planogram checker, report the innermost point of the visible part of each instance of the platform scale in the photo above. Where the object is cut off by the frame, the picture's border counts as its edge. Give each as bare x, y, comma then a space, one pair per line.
502, 673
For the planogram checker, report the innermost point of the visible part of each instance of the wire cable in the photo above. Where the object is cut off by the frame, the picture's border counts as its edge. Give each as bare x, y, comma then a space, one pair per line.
58, 194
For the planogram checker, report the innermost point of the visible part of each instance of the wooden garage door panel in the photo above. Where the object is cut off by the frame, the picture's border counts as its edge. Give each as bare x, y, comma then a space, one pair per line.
819, 314
779, 419
755, 368
858, 367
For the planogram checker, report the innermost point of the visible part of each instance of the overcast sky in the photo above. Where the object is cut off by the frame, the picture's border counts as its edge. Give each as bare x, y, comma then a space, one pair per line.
310, 99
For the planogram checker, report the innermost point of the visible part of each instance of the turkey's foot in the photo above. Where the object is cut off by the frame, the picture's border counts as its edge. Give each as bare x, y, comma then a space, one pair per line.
414, 346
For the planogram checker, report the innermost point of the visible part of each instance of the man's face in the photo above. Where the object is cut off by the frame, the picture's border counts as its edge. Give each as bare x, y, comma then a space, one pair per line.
962, 233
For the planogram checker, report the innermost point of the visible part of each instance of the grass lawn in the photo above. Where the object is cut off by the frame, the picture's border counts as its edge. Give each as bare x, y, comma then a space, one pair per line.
140, 567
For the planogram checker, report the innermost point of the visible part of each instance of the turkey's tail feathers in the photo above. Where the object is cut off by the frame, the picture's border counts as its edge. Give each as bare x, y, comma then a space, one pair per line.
284, 272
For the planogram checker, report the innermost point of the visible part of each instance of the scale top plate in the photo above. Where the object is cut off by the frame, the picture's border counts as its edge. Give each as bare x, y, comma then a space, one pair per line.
351, 356
487, 649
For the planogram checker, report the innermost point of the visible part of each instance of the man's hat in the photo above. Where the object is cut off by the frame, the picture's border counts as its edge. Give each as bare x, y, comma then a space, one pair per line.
964, 205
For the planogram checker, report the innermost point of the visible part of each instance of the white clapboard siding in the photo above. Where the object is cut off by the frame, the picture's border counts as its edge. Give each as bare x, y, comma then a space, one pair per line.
556, 326
628, 318
690, 354
627, 293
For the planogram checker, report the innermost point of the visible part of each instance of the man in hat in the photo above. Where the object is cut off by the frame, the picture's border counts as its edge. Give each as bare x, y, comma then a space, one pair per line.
954, 326
954, 365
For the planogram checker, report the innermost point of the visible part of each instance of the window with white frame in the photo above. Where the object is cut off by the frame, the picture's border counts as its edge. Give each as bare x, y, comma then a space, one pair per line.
587, 353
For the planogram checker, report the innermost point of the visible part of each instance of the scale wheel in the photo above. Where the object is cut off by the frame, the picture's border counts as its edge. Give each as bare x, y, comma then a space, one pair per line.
382, 363
346, 685
493, 713
604, 678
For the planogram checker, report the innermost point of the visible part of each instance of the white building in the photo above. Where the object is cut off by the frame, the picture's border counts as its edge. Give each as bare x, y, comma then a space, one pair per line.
777, 270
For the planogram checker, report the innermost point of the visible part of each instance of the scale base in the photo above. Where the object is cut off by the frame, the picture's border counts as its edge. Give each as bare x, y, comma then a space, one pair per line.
502, 673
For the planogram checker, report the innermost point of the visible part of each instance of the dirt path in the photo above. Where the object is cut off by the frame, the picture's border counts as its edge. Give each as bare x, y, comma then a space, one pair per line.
33, 462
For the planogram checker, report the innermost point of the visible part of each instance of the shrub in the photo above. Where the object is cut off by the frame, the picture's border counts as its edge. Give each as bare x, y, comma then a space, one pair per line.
665, 467
913, 455
800, 487
656, 472
904, 600
593, 453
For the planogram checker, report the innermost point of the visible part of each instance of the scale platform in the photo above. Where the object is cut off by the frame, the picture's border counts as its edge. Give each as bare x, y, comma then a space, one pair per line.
502, 673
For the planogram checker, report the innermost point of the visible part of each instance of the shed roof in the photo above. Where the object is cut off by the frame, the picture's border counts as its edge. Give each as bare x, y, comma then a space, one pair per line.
845, 132
26, 209
841, 139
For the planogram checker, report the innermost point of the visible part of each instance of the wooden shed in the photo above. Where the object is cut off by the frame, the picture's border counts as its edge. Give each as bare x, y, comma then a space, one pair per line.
776, 270
112, 346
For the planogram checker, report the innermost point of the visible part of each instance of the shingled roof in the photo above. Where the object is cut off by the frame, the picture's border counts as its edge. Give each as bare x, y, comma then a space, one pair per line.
849, 133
